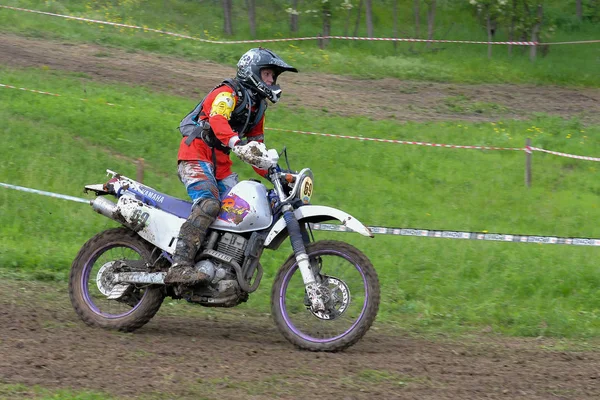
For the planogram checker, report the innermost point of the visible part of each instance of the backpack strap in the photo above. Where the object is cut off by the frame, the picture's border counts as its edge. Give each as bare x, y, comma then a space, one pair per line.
194, 127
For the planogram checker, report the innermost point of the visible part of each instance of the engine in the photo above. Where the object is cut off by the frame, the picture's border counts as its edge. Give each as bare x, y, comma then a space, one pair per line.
224, 289
233, 245
229, 245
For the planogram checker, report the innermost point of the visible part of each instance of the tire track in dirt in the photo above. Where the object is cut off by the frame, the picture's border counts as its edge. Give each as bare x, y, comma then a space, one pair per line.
342, 95
228, 355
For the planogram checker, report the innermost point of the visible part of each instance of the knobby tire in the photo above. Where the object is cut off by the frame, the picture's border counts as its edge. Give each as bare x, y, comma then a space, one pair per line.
148, 305
367, 319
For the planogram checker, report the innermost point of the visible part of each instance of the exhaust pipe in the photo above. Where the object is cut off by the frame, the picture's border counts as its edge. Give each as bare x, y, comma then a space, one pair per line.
106, 207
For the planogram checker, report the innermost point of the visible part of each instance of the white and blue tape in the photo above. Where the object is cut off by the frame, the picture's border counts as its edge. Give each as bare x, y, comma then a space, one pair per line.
497, 237
50, 194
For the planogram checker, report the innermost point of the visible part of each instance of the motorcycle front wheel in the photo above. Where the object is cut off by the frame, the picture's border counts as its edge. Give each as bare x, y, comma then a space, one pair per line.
350, 288
90, 282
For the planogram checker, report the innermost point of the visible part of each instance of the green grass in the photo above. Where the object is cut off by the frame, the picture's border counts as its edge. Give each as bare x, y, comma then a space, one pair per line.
11, 392
428, 285
570, 65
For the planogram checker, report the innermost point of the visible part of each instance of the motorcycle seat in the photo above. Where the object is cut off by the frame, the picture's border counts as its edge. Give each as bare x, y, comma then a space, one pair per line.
162, 201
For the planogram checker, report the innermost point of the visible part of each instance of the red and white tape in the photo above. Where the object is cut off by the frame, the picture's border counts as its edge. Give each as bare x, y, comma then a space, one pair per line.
453, 146
527, 149
387, 39
29, 90
46, 93
556, 153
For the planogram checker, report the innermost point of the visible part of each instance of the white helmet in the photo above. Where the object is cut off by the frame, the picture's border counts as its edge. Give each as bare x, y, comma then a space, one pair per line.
250, 65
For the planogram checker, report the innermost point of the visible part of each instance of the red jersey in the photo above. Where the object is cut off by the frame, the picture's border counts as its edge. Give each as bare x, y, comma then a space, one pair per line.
217, 108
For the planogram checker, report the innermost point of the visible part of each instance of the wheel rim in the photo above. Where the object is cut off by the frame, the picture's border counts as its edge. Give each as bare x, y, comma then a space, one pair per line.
96, 301
302, 322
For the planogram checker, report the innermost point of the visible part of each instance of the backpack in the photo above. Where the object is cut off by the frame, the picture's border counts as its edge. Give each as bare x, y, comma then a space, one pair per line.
192, 127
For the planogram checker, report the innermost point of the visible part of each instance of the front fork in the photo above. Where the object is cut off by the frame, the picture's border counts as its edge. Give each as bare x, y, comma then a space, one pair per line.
311, 285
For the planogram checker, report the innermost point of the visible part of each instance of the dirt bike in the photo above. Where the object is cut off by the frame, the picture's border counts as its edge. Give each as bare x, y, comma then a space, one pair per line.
324, 298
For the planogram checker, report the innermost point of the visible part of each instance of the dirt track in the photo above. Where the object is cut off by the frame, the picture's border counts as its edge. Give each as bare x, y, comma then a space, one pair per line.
228, 355
378, 99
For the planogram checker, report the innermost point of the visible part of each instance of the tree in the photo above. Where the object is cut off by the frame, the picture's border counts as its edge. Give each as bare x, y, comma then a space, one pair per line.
360, 3
251, 17
417, 11
535, 31
395, 24
293, 11
523, 17
491, 11
347, 5
430, 19
326, 13
579, 7
228, 19
512, 16
369, 17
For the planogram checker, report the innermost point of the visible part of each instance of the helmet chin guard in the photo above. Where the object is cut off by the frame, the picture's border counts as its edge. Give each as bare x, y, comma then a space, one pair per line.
273, 92
249, 72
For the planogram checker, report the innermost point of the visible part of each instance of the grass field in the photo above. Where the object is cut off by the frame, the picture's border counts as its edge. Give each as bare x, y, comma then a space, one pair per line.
571, 65
428, 284
433, 288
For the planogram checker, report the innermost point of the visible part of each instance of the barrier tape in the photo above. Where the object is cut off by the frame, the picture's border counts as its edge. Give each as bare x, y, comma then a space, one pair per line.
496, 237
29, 90
453, 146
527, 149
387, 39
575, 42
556, 153
499, 237
41, 192
46, 93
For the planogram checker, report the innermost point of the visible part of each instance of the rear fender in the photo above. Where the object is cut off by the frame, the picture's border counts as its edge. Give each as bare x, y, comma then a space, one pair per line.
314, 214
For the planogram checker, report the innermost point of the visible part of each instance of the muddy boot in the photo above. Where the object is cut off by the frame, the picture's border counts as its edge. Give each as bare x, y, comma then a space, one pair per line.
191, 236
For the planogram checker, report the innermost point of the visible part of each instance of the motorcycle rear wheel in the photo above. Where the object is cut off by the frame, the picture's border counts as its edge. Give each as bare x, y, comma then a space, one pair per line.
352, 282
91, 304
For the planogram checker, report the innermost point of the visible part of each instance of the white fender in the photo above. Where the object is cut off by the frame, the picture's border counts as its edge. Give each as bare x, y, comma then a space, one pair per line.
319, 214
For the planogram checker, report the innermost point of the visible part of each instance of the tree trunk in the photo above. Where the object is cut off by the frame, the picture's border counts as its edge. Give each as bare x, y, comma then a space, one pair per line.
228, 20
369, 17
395, 24
347, 24
417, 9
511, 28
535, 32
357, 23
579, 10
326, 11
294, 17
251, 17
430, 20
489, 30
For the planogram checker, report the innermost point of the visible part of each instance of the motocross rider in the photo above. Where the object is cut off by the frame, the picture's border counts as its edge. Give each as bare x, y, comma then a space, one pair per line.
229, 119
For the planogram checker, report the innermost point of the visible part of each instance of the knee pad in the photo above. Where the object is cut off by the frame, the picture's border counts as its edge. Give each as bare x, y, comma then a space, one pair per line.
210, 207
204, 213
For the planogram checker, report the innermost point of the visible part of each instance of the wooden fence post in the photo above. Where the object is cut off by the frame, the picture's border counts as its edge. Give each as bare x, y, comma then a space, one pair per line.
140, 170
528, 162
